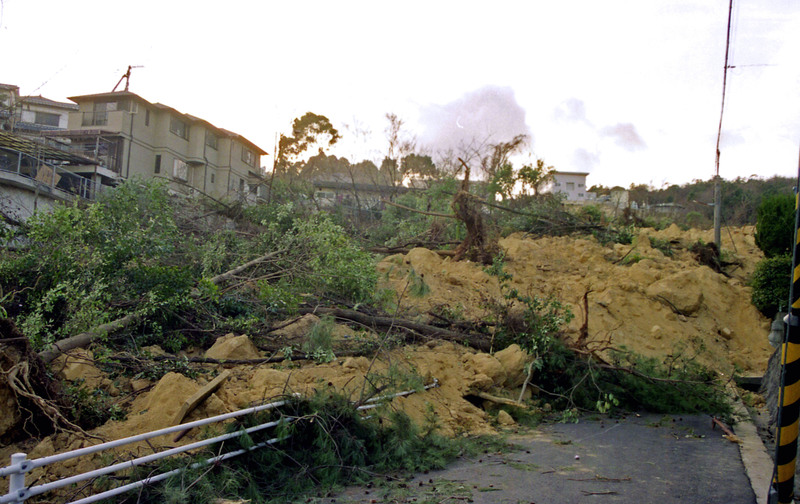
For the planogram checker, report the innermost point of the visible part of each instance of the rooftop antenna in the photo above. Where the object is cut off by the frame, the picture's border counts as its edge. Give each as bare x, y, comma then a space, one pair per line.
127, 77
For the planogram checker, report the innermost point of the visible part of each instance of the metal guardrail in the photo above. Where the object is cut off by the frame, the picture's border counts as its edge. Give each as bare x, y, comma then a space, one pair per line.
20, 465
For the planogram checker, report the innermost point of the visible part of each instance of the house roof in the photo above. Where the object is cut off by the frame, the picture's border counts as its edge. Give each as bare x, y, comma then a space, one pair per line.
16, 143
570, 173
187, 117
41, 100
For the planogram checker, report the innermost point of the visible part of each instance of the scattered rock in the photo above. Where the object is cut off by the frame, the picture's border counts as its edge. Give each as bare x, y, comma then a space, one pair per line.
488, 365
504, 419
77, 364
513, 360
681, 291
230, 347
298, 329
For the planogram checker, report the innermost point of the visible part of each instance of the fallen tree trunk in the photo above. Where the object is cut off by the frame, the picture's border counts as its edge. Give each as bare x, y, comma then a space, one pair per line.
387, 250
476, 341
85, 338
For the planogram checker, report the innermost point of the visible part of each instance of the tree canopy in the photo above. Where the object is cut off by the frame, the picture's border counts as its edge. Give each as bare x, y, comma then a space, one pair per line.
309, 130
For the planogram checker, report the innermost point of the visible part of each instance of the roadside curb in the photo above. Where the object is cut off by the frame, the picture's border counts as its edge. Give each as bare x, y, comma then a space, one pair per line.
758, 464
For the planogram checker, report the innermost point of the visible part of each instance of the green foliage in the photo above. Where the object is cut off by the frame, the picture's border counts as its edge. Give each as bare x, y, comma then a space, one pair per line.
334, 265
677, 384
503, 181
775, 226
592, 213
497, 268
90, 408
416, 284
533, 177
770, 282
85, 262
625, 235
696, 220
399, 226
537, 331
328, 445
631, 258
319, 342
664, 245
308, 130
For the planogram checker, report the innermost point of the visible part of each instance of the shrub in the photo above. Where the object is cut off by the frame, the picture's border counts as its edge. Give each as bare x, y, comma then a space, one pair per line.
770, 282
333, 265
775, 225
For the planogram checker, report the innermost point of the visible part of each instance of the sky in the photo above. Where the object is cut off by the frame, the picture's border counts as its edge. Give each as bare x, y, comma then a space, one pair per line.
629, 91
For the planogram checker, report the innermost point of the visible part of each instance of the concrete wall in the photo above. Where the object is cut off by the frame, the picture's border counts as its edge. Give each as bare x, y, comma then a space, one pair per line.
20, 201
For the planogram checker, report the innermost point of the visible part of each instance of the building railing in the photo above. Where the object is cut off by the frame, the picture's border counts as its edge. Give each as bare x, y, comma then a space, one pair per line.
95, 118
51, 175
18, 493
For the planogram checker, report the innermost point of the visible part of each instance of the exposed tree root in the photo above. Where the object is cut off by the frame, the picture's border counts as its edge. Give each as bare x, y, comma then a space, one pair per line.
39, 398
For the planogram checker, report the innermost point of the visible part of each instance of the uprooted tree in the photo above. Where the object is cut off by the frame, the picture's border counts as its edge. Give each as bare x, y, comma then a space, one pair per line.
479, 245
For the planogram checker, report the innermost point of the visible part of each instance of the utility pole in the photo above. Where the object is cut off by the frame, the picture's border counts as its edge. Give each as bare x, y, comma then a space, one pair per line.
717, 180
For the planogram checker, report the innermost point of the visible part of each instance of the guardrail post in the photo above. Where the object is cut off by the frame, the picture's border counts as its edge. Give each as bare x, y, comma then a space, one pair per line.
16, 481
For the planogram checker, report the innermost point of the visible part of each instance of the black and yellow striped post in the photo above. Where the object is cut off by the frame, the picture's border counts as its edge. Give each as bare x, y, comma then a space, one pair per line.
789, 411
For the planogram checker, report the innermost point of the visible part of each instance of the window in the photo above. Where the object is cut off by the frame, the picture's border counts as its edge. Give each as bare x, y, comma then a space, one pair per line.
180, 170
47, 119
147, 117
570, 186
212, 140
213, 177
241, 185
248, 156
157, 167
179, 127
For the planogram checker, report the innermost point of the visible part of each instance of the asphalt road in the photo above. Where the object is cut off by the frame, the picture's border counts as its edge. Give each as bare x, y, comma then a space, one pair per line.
647, 459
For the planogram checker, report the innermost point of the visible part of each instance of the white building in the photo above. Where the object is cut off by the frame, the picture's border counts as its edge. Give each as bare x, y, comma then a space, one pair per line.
571, 184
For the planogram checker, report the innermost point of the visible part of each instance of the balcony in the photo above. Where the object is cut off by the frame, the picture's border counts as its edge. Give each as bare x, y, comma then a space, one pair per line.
95, 118
109, 120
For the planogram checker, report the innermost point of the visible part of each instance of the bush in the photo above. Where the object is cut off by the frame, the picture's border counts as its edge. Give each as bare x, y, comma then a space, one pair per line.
775, 225
329, 445
82, 265
770, 282
334, 265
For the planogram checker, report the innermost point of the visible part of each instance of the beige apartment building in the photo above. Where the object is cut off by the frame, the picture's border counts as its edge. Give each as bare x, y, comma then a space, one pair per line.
130, 137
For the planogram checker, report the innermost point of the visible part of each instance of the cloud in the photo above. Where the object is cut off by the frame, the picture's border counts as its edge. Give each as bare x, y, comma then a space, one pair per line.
731, 139
625, 136
583, 160
489, 114
572, 110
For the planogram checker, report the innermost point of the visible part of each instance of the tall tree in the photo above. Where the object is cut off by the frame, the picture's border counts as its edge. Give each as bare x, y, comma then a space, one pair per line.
534, 177
496, 156
307, 131
400, 146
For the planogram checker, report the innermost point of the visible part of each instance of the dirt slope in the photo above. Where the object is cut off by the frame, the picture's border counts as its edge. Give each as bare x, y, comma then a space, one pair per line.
639, 298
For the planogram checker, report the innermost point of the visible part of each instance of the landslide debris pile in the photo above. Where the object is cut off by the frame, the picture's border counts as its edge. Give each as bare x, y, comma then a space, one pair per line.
656, 301
304, 319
